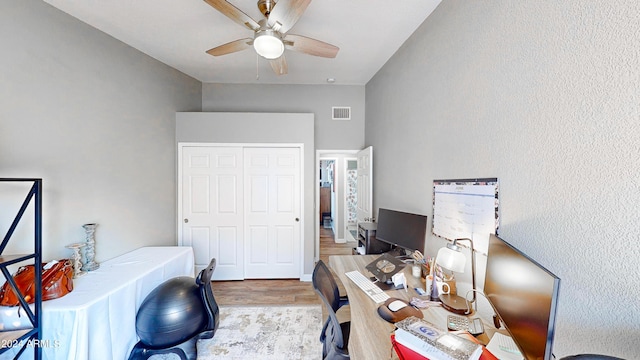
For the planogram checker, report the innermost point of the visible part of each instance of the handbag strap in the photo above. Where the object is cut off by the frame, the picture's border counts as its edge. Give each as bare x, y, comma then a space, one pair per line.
59, 266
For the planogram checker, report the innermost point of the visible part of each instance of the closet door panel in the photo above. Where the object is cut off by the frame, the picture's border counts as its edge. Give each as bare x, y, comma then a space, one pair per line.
212, 208
242, 206
272, 197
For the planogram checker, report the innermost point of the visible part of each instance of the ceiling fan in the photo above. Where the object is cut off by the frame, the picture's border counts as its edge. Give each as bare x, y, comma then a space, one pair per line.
270, 37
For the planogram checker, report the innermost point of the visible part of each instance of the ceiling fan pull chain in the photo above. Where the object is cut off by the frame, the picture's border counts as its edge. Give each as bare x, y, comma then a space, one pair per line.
257, 67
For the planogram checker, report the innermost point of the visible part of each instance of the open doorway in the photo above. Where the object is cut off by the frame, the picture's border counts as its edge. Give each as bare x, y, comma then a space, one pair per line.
336, 196
327, 193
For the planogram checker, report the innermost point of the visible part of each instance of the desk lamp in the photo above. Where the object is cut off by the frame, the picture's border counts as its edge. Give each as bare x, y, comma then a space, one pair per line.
451, 258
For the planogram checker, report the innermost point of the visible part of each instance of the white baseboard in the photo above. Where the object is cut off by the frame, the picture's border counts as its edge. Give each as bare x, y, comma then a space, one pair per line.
305, 277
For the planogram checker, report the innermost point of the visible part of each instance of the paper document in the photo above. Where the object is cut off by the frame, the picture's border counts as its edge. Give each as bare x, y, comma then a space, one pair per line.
504, 348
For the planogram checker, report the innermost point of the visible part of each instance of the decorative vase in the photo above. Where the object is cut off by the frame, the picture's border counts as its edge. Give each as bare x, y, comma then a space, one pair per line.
76, 258
434, 288
90, 250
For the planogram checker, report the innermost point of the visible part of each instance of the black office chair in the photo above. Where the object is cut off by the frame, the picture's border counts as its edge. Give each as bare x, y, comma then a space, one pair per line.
334, 335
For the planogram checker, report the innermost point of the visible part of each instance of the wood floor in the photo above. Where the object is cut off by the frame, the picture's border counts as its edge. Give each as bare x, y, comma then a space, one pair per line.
278, 292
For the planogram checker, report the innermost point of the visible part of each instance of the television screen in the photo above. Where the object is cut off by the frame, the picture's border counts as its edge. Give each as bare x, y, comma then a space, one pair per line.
402, 229
524, 295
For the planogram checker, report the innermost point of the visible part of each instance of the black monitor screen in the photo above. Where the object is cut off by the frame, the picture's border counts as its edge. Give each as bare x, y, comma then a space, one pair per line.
402, 229
524, 295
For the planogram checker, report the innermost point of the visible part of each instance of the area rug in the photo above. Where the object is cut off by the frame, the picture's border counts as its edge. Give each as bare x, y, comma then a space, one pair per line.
265, 333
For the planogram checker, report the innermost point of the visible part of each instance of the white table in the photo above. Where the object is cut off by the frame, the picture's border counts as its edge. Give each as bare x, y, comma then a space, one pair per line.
97, 320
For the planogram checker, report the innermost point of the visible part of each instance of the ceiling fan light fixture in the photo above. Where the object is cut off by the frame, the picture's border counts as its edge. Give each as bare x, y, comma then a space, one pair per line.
268, 44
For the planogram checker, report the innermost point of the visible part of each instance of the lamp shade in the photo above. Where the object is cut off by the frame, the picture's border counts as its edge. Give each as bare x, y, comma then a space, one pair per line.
268, 45
451, 259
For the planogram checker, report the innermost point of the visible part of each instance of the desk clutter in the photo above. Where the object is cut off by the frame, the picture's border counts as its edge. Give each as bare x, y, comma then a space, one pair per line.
373, 322
402, 309
426, 285
427, 340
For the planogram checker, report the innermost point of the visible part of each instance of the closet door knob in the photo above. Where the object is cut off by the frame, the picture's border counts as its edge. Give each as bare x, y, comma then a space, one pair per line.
297, 219
186, 221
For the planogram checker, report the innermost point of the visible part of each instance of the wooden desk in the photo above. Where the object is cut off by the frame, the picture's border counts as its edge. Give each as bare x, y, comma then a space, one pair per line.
370, 334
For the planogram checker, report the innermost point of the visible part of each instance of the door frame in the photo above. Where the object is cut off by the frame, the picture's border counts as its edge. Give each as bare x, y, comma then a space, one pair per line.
324, 155
179, 203
346, 159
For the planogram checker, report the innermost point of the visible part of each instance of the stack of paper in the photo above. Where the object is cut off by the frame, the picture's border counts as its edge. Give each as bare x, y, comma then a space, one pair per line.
504, 347
427, 340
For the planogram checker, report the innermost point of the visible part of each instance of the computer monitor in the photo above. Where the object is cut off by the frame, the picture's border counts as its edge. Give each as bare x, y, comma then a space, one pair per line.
401, 229
524, 295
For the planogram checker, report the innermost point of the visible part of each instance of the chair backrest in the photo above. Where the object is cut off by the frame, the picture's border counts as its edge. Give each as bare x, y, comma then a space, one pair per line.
325, 285
206, 292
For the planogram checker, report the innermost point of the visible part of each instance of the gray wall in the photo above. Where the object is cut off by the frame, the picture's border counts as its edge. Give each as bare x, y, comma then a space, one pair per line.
316, 99
95, 119
261, 128
544, 96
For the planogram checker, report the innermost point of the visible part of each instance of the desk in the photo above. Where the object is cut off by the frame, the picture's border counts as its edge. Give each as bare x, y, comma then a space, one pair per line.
370, 334
97, 320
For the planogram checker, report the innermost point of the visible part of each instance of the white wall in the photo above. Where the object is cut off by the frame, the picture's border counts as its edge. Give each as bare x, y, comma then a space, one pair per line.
95, 119
316, 99
212, 127
544, 95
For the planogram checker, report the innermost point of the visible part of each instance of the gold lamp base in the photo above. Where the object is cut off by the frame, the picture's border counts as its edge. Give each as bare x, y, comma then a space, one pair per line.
454, 303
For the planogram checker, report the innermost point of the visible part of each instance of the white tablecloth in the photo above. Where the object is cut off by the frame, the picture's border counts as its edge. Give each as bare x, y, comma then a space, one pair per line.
97, 320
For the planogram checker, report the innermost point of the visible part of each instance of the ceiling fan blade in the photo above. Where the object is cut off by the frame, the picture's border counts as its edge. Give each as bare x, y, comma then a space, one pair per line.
279, 65
231, 47
286, 13
310, 46
234, 13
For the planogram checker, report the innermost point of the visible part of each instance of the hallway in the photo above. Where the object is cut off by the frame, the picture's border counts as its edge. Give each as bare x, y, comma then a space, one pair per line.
328, 246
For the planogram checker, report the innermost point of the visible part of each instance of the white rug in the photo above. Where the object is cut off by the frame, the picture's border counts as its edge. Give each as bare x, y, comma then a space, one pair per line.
266, 333
263, 333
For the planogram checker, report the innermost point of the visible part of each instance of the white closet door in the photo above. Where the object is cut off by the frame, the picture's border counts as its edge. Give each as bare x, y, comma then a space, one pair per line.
212, 208
272, 212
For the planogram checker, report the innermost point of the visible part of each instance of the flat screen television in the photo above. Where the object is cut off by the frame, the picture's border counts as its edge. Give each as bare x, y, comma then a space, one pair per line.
524, 295
402, 229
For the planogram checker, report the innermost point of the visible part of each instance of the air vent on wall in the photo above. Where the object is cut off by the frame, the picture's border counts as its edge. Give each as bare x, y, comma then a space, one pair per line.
341, 113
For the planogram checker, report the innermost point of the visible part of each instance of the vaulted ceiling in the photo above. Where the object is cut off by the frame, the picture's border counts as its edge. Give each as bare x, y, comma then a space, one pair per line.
179, 32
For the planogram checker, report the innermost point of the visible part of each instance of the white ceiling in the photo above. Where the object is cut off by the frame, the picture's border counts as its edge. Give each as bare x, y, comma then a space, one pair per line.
178, 32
